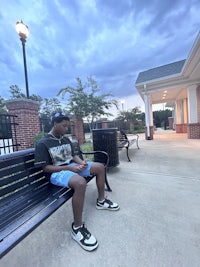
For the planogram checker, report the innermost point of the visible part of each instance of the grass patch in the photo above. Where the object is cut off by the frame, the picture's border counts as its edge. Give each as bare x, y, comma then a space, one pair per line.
87, 147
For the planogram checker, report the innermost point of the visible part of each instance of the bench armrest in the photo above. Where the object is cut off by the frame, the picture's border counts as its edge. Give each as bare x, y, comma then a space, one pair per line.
80, 153
105, 155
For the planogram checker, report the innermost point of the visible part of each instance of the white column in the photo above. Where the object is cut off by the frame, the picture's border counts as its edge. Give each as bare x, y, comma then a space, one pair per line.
178, 112
147, 113
151, 115
192, 104
185, 110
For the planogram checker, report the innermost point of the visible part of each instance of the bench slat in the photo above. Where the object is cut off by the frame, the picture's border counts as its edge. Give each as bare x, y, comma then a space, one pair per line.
17, 213
32, 222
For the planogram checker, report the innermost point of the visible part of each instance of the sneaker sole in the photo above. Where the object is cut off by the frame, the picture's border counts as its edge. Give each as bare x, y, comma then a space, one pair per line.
88, 248
103, 208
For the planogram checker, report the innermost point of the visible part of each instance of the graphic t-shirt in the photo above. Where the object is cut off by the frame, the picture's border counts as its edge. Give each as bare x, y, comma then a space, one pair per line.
61, 154
53, 151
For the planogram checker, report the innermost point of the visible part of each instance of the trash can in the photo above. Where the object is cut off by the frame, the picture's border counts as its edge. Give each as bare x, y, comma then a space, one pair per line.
106, 140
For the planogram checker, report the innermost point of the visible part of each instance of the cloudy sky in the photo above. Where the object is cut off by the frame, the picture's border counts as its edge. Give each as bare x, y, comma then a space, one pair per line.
110, 40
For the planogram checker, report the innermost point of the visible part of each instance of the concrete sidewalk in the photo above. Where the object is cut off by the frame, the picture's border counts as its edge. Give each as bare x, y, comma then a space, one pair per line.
158, 224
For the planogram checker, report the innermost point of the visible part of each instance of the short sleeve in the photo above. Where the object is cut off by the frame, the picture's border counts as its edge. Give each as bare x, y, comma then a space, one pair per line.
42, 157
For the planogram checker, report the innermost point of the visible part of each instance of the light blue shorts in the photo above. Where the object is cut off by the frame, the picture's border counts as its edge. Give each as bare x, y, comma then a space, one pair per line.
62, 178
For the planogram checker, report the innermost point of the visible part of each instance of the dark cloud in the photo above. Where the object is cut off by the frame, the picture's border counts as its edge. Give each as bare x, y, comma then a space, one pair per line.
110, 40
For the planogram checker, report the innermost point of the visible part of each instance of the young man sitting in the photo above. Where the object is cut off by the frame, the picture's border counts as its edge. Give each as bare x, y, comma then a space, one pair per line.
54, 153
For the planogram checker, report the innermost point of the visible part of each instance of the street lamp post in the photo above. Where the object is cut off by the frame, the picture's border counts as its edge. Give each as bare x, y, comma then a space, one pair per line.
23, 32
123, 102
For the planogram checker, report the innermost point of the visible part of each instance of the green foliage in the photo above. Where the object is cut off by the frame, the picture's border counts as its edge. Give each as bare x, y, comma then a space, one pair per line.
87, 147
160, 117
130, 115
36, 98
49, 105
131, 120
37, 137
2, 106
77, 100
86, 102
15, 92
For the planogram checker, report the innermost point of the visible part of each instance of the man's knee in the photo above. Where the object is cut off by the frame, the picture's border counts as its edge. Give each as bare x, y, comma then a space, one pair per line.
97, 167
78, 182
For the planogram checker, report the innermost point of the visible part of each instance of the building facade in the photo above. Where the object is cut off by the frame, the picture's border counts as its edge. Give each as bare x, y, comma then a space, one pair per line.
177, 83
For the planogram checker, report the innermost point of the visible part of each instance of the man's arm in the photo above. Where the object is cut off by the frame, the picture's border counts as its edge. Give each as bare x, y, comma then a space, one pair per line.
78, 160
81, 164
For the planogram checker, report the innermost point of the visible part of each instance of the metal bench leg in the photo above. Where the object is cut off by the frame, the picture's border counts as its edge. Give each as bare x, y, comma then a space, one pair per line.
137, 141
106, 181
127, 153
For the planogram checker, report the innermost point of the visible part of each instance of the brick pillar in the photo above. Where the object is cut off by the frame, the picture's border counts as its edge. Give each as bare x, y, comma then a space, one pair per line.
194, 130
27, 112
104, 123
181, 128
77, 130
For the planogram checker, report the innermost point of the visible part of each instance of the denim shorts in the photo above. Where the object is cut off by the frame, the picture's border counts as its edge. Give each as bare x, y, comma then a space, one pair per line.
62, 178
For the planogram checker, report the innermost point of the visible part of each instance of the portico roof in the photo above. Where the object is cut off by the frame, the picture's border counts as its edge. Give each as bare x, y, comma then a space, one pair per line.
169, 83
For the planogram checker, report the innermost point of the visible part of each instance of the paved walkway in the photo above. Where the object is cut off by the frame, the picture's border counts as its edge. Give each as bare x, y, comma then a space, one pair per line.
158, 224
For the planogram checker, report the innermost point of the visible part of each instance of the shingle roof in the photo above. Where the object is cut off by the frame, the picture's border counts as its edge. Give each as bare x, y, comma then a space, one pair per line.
160, 72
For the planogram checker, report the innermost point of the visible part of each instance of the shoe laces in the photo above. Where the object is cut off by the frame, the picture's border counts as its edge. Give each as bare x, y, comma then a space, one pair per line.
84, 231
108, 201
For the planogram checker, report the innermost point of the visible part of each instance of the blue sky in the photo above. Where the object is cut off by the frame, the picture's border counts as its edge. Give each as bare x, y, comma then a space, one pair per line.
110, 40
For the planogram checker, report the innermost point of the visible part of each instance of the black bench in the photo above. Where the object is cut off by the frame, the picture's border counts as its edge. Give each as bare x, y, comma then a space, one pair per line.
27, 197
123, 141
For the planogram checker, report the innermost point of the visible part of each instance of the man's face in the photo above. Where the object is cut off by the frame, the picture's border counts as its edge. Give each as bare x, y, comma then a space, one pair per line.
61, 127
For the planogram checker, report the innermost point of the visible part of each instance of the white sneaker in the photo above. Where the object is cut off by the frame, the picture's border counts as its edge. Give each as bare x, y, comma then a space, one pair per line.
107, 205
84, 238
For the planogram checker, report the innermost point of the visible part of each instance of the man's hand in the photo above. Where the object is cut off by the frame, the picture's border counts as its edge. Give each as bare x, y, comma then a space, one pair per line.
84, 163
78, 167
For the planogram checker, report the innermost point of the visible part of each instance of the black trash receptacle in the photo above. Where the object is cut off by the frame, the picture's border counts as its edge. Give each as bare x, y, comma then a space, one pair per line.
106, 140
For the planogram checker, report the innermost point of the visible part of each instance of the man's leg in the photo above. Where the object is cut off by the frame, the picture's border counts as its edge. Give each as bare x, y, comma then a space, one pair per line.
99, 170
78, 183
102, 203
79, 231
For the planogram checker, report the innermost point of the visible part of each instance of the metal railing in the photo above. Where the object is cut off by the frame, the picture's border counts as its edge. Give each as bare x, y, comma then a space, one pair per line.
8, 137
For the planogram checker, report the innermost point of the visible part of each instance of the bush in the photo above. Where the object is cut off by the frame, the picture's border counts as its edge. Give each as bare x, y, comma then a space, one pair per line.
37, 137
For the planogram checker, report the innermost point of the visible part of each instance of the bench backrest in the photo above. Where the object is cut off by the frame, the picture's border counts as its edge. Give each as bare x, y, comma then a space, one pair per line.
121, 136
18, 174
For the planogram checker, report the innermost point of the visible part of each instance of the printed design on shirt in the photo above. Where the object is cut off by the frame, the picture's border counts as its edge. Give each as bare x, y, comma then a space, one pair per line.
61, 154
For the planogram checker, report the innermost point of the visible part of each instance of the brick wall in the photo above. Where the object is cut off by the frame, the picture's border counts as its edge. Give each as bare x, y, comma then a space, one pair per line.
181, 128
77, 130
27, 112
198, 104
194, 130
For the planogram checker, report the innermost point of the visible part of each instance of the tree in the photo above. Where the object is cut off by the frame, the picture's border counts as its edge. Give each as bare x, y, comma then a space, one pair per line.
2, 106
36, 98
86, 102
15, 92
161, 117
130, 118
48, 106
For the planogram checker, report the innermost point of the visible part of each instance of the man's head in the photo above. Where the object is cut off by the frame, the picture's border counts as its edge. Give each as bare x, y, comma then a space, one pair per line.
58, 117
60, 122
